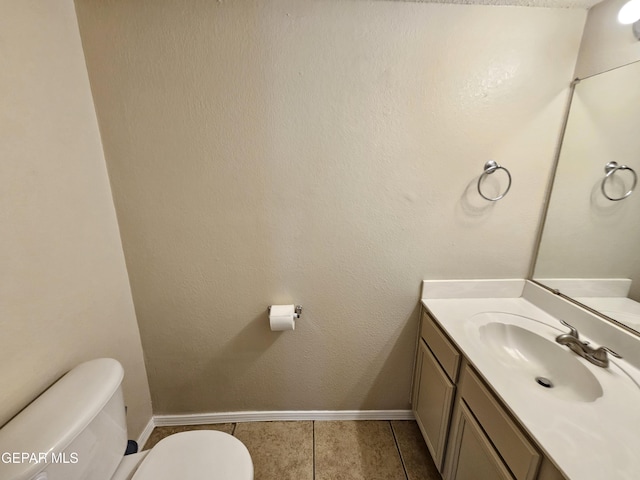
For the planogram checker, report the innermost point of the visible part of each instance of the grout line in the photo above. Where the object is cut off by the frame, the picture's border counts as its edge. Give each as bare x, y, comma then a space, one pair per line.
313, 455
233, 432
404, 467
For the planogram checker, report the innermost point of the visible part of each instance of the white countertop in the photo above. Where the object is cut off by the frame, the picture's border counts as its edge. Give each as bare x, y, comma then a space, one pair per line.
597, 440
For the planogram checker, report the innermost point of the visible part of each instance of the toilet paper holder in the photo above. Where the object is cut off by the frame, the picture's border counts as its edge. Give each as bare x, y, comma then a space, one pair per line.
298, 310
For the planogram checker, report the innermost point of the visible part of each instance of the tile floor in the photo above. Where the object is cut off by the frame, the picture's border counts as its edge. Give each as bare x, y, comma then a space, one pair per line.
328, 450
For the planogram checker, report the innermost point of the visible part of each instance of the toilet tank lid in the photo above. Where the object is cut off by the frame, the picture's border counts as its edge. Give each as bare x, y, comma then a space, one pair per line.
54, 419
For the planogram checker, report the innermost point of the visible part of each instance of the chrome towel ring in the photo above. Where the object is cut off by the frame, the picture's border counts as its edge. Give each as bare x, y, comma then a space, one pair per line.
490, 167
611, 168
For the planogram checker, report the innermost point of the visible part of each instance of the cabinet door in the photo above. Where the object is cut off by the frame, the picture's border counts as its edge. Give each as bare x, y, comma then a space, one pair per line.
433, 403
472, 455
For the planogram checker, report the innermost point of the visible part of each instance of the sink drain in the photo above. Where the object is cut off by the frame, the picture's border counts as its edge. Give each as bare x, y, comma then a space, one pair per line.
545, 382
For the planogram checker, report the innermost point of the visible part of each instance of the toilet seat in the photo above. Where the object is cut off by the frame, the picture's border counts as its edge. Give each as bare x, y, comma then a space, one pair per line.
197, 455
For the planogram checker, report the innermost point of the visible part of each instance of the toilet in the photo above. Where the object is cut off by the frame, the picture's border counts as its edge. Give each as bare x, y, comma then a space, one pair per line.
76, 430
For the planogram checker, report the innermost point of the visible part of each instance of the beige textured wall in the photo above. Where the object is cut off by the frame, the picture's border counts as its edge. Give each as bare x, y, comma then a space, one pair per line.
64, 291
317, 152
606, 43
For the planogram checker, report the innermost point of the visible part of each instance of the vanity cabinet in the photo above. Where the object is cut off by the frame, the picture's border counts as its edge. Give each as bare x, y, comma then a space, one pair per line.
468, 431
437, 366
472, 455
484, 434
434, 399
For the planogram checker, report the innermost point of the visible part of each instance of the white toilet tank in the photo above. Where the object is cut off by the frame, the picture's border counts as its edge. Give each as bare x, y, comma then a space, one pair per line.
75, 430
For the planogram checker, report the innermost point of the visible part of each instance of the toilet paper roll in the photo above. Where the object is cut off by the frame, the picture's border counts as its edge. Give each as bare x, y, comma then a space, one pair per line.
282, 317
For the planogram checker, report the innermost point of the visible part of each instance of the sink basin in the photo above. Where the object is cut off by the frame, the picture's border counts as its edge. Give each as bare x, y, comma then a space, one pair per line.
528, 350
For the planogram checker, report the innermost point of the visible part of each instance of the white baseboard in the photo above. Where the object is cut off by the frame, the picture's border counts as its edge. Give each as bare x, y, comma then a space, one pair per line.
279, 415
146, 433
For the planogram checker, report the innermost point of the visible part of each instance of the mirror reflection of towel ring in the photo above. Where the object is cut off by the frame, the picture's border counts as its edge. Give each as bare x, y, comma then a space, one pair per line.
490, 167
610, 169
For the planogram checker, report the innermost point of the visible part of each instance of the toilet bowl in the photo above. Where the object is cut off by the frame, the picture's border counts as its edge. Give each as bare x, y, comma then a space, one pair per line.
76, 430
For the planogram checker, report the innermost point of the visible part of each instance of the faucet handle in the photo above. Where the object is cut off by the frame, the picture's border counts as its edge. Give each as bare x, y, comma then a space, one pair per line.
573, 332
599, 356
609, 351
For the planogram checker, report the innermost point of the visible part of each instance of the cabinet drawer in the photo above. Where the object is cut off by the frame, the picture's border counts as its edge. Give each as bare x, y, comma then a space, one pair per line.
515, 449
444, 351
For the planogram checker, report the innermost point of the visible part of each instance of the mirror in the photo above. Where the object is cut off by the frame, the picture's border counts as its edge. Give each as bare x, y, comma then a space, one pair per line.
590, 244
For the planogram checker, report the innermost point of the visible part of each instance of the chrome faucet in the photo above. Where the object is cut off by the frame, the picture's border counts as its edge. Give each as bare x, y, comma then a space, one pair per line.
597, 356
